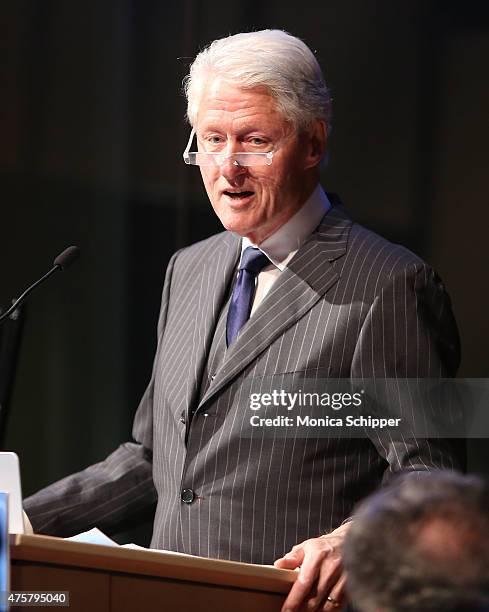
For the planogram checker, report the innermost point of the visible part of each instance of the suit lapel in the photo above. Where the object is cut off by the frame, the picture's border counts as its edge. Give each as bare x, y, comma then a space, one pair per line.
215, 274
308, 276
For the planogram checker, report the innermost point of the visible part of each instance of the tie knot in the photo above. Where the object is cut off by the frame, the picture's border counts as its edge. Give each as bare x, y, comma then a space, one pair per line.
253, 260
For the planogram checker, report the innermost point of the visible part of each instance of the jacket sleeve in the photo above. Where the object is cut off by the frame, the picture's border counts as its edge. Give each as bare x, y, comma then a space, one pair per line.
410, 332
116, 492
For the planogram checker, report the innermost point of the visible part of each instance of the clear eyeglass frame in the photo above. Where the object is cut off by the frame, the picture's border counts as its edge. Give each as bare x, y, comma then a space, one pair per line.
241, 158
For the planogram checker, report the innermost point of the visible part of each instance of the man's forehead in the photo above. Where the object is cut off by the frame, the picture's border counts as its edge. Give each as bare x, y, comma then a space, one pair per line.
215, 86
221, 94
224, 99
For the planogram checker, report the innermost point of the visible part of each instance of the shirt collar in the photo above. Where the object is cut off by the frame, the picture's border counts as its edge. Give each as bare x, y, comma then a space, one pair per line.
283, 244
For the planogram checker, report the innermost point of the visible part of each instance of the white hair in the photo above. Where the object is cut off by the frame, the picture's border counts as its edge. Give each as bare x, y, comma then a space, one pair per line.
273, 59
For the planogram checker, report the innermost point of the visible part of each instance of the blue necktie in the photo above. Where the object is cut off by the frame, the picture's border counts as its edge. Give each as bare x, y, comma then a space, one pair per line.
252, 262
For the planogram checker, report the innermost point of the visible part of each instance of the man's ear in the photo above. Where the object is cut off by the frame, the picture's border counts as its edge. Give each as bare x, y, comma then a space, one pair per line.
317, 137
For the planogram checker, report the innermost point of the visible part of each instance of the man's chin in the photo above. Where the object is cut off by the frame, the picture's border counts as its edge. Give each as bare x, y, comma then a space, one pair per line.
239, 229
237, 221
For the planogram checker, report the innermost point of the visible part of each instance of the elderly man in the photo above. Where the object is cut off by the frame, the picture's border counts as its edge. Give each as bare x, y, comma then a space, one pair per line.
422, 544
291, 286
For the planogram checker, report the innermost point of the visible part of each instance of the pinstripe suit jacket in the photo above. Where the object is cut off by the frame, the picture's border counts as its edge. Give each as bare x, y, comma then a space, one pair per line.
349, 304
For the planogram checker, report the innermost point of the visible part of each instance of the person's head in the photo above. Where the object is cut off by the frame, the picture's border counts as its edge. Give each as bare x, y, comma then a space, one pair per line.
422, 544
259, 92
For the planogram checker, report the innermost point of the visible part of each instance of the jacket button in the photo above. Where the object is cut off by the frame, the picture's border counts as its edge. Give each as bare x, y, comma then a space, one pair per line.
187, 496
182, 418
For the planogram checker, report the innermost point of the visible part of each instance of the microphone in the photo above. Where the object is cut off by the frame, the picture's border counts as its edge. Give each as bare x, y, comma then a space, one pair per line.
67, 257
62, 262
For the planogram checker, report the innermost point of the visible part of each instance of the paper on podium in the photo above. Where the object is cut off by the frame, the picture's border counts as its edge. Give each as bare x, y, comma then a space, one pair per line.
95, 536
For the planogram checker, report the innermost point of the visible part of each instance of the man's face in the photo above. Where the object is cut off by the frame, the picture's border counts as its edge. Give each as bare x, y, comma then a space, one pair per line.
254, 201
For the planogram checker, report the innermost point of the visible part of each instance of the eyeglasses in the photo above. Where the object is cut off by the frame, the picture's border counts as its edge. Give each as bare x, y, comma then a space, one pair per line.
242, 158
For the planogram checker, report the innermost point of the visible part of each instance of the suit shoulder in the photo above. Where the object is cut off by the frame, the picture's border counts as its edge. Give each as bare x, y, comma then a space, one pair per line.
373, 250
363, 247
373, 264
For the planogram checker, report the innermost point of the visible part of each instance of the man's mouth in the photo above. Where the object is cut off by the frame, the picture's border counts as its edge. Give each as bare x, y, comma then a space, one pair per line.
238, 195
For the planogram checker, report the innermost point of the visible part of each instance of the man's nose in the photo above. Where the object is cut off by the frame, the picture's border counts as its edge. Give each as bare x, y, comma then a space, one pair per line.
231, 169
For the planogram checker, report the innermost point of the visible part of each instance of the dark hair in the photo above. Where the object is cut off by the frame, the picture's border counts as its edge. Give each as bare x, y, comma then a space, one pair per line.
421, 545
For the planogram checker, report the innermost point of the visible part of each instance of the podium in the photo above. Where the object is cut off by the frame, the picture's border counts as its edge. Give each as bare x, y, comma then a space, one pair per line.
105, 578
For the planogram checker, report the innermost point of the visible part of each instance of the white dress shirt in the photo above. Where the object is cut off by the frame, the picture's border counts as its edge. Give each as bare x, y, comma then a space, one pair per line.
283, 244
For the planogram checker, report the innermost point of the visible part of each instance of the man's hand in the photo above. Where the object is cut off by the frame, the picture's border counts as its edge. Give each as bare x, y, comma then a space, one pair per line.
320, 584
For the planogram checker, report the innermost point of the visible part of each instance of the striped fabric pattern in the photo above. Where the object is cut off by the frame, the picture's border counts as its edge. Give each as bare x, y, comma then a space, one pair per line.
349, 305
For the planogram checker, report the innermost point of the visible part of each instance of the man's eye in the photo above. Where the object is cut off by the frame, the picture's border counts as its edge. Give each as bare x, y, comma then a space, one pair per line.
214, 139
257, 141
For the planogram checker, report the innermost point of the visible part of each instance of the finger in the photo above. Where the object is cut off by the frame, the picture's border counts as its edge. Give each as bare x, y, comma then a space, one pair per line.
329, 576
291, 560
337, 596
305, 582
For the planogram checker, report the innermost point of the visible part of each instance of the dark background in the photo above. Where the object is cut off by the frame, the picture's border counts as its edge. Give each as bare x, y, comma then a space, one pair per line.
92, 131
